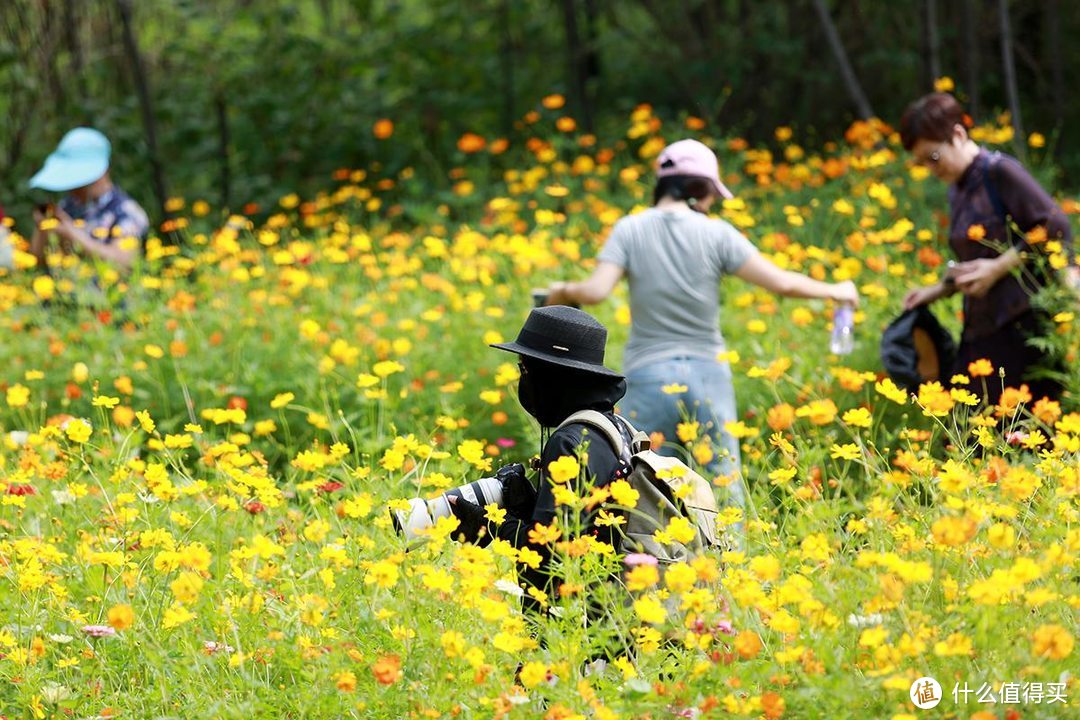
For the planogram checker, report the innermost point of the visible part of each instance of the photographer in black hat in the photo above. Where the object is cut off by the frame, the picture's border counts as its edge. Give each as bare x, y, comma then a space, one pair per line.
561, 360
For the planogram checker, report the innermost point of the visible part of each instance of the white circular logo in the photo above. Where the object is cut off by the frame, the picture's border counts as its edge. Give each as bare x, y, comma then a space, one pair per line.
925, 693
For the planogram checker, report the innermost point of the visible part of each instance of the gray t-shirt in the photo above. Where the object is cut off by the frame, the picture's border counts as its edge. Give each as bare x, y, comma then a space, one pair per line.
674, 260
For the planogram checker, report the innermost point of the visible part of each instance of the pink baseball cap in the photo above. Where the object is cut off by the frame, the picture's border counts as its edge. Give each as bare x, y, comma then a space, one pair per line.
694, 159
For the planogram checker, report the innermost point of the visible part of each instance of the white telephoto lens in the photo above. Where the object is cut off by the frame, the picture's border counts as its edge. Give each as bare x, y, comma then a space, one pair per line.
491, 489
415, 518
422, 515
439, 508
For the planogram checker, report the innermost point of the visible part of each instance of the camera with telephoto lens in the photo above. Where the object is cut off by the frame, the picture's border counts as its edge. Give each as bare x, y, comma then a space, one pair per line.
422, 514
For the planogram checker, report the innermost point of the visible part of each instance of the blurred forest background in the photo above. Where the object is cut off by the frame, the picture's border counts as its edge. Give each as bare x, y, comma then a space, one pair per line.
242, 101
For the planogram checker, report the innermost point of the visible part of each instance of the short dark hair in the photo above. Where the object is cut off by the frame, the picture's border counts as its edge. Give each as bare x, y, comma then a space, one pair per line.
932, 117
682, 187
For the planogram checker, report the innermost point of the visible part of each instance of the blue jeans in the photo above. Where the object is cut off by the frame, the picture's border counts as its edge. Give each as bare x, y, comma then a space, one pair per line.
709, 399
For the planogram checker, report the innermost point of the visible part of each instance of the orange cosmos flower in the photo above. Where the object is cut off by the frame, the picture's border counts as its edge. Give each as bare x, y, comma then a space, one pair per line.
1047, 411
980, 368
747, 644
553, 102
1052, 641
772, 705
121, 617
383, 128
471, 143
387, 669
953, 531
1011, 398
780, 417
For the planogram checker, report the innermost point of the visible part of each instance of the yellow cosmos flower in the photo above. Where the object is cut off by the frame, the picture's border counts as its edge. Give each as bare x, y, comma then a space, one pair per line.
687, 432
782, 476
858, 417
563, 469
78, 430
624, 494
532, 674
819, 412
281, 400
385, 368
18, 395
650, 610
888, 389
472, 452
365, 380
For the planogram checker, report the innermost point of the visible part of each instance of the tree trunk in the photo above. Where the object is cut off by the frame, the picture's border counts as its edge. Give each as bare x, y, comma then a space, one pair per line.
326, 8
225, 180
21, 100
576, 66
931, 40
73, 38
157, 173
971, 57
1057, 70
1011, 90
592, 38
506, 53
50, 38
847, 73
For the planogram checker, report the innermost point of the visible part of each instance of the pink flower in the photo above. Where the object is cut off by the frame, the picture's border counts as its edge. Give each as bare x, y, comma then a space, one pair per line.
99, 631
725, 627
1016, 437
505, 443
211, 646
640, 559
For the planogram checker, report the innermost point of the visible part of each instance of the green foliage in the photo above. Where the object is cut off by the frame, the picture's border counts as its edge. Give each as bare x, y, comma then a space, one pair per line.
256, 99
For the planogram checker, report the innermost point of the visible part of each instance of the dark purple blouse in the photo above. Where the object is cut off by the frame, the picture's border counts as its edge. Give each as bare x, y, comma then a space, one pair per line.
1027, 206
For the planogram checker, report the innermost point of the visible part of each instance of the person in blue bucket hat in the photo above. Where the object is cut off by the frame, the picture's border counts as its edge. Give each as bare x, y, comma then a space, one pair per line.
95, 218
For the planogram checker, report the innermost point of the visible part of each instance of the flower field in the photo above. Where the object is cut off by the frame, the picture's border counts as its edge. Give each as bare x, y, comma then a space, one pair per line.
198, 459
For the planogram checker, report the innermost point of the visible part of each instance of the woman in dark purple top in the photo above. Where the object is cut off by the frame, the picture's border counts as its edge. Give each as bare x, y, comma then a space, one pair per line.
991, 196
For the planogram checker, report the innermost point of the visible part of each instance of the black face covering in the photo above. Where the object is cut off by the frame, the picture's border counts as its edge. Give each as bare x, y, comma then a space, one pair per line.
551, 393
527, 393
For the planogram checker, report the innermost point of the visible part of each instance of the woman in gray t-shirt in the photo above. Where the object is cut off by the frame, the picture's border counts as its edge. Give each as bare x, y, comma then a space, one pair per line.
674, 257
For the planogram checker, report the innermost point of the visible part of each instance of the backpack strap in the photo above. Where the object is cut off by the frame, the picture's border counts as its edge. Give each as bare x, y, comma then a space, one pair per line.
638, 440
599, 421
989, 164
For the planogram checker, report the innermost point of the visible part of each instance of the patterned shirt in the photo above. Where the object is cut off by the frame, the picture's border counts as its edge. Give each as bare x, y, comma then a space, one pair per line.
995, 187
110, 216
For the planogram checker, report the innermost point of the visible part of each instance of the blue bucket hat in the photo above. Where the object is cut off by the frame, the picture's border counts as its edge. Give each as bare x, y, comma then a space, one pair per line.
82, 157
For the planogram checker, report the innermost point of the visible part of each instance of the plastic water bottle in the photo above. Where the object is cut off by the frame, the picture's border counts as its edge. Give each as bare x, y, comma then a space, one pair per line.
842, 341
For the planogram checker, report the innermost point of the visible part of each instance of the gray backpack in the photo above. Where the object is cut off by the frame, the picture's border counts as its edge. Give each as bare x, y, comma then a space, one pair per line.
666, 488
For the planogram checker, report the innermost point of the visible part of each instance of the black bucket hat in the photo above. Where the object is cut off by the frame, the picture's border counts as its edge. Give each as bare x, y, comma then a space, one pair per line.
915, 348
563, 336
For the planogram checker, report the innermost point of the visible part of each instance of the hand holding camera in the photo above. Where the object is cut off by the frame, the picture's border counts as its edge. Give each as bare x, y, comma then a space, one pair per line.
519, 496
508, 489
